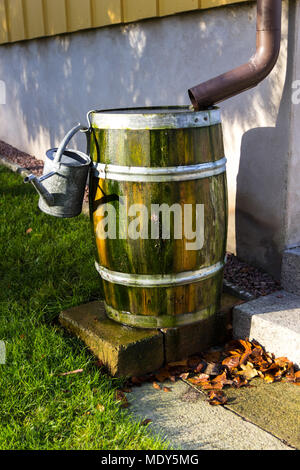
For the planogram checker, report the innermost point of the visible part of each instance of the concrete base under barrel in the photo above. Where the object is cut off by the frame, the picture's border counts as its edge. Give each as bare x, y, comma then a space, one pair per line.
128, 352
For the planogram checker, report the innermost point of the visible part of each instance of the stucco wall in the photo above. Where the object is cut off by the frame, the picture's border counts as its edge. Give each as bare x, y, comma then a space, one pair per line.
51, 83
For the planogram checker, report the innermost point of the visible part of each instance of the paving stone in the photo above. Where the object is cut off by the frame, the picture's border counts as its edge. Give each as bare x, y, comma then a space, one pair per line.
291, 270
192, 339
185, 419
274, 407
124, 351
273, 321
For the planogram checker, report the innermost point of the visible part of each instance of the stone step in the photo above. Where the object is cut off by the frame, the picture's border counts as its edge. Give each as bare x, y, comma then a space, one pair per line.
273, 321
291, 270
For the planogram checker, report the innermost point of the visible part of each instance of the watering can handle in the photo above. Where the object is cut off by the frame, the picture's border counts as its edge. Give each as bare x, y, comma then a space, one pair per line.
66, 140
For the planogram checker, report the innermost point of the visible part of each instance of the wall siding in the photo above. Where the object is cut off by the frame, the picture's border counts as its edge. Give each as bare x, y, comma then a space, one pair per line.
28, 19
106, 12
170, 7
55, 13
3, 23
34, 18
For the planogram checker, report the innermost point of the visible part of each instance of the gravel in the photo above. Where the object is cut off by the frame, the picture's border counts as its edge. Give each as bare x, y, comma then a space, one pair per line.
21, 158
248, 278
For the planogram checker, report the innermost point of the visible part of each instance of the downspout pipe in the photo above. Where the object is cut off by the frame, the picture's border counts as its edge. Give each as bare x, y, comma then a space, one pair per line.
249, 75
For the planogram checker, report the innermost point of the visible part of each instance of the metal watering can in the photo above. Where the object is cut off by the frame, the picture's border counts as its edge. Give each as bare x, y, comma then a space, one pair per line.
62, 186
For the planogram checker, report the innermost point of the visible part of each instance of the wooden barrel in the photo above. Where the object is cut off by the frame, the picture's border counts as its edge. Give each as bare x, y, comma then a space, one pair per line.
158, 199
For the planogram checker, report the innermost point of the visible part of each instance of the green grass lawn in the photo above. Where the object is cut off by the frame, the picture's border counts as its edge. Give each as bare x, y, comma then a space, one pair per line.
43, 272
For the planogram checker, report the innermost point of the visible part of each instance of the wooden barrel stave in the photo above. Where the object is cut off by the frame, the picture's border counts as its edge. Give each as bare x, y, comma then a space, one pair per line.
158, 148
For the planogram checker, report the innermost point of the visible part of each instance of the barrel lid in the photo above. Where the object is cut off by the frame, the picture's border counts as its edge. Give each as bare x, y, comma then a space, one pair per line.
166, 117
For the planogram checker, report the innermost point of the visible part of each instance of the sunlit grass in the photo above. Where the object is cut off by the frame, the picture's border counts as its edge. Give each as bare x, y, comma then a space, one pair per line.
43, 271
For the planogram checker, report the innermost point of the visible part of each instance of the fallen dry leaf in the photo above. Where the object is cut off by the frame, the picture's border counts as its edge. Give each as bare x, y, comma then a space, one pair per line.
269, 379
200, 367
121, 397
231, 362
156, 386
211, 385
248, 371
199, 378
73, 372
221, 378
220, 381
239, 382
212, 355
244, 357
146, 422
167, 389
213, 369
217, 398
283, 362
233, 347
239, 363
184, 376
100, 408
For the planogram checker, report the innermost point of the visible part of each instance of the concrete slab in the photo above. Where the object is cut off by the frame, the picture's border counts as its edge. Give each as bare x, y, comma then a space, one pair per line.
291, 270
134, 352
273, 407
124, 351
184, 417
273, 321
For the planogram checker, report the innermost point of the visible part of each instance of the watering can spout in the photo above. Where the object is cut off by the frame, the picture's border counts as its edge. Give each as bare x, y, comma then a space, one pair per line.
36, 182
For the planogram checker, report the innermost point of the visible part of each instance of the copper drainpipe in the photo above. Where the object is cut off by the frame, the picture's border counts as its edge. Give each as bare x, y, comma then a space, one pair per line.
259, 66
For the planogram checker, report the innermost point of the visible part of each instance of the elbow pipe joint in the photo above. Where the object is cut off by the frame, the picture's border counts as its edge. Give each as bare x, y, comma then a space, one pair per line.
257, 69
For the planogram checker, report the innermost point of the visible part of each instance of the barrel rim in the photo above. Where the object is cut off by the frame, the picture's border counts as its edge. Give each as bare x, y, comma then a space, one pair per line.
175, 117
